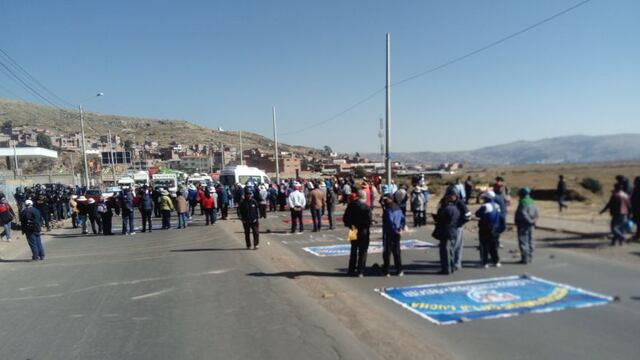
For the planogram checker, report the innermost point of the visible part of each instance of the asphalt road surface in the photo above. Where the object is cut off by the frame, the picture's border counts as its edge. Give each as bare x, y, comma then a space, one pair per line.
166, 295
198, 294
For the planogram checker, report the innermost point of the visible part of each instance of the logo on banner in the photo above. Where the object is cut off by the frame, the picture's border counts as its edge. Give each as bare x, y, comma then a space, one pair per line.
491, 296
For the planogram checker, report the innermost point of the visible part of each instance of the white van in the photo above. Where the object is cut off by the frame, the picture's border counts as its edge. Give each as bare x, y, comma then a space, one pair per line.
141, 178
242, 174
202, 179
165, 181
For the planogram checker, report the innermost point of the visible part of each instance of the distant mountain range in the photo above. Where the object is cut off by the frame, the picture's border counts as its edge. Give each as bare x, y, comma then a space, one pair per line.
566, 149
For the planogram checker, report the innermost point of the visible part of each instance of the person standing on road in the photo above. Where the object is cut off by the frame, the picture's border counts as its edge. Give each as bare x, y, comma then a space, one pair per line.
316, 203
331, 207
73, 209
635, 207
146, 209
525, 219
249, 215
166, 207
400, 197
489, 215
126, 206
297, 203
458, 242
619, 207
207, 205
31, 222
358, 215
446, 231
393, 222
112, 206
83, 213
502, 199
468, 189
7, 217
155, 196
263, 200
561, 193
92, 213
417, 206
182, 208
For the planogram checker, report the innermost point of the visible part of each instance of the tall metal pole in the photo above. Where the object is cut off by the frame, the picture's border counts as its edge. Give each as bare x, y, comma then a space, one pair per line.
84, 150
388, 112
222, 163
275, 141
241, 151
113, 169
15, 161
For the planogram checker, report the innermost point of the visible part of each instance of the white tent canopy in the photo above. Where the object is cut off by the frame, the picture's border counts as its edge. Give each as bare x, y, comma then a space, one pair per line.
29, 153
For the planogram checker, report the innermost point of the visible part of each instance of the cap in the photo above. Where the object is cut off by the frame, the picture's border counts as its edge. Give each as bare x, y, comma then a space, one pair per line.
28, 203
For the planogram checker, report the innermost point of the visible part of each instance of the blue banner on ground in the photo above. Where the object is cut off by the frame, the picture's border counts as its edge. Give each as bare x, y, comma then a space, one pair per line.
375, 247
455, 302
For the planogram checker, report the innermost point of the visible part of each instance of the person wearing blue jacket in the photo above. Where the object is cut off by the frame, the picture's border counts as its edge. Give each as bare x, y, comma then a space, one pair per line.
393, 222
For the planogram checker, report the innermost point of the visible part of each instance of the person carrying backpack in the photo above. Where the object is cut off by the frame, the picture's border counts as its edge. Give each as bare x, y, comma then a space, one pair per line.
417, 206
31, 222
146, 209
7, 216
489, 215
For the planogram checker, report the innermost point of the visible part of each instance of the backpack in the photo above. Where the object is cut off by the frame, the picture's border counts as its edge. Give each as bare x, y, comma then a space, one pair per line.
102, 208
416, 201
492, 218
29, 223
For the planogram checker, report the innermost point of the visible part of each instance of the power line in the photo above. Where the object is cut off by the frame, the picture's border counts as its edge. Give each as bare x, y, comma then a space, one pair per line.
492, 44
336, 115
12, 93
447, 63
34, 80
21, 82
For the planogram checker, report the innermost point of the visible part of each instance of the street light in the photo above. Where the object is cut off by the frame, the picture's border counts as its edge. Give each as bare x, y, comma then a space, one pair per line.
84, 147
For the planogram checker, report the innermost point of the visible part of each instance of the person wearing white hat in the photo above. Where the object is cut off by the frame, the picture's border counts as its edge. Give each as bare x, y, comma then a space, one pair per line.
31, 222
83, 213
94, 218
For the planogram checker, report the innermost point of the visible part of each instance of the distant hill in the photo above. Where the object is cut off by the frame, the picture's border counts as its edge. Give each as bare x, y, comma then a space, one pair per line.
566, 149
133, 128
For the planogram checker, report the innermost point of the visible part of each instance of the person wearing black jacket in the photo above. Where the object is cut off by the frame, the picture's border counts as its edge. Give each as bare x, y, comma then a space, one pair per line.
92, 212
447, 221
107, 216
249, 215
31, 222
358, 215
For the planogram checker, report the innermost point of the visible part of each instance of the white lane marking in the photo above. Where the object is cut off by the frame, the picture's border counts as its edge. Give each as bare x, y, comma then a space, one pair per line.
117, 283
37, 287
153, 294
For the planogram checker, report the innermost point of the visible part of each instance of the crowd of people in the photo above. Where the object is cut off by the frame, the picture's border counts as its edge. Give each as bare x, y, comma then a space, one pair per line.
38, 206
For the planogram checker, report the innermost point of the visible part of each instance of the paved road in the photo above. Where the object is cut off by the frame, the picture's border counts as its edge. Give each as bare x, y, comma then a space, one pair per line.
157, 296
608, 331
200, 296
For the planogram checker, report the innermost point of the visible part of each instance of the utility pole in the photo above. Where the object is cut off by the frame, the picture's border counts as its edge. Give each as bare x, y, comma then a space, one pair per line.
241, 152
222, 156
388, 112
275, 141
15, 161
111, 162
84, 149
73, 170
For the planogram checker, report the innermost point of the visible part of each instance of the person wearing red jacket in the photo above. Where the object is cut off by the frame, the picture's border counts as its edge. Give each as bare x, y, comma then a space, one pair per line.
207, 205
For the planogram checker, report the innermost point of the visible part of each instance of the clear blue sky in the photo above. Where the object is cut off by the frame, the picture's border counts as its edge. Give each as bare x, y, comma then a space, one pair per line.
225, 63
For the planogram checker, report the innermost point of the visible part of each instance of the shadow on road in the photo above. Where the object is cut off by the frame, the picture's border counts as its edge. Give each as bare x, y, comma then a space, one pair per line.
15, 261
208, 249
295, 274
